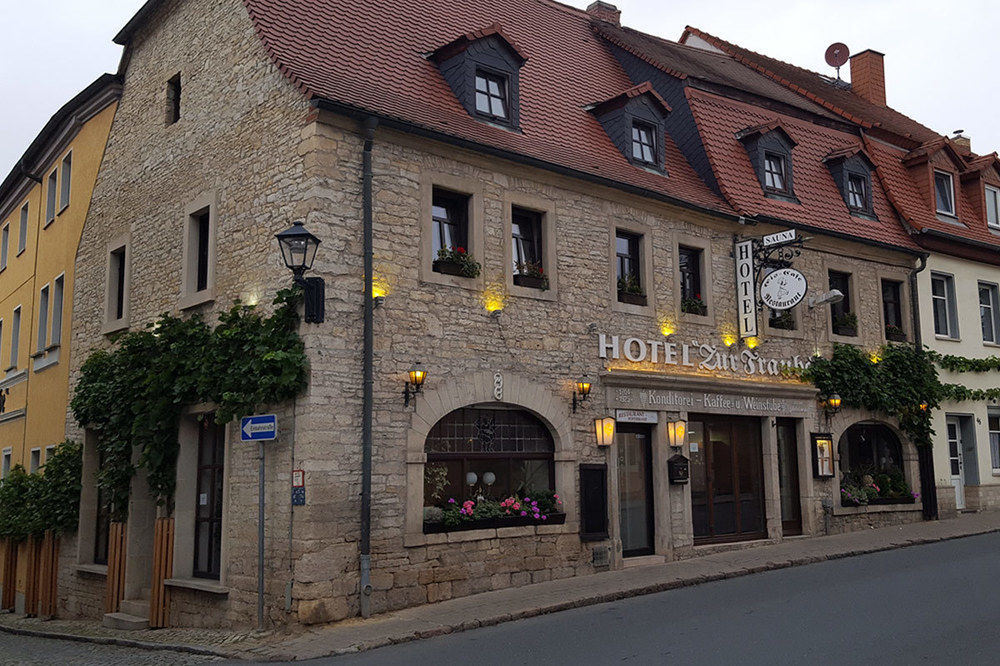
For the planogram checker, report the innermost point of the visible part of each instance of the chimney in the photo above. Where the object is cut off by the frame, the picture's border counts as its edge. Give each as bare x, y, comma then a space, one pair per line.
605, 11
868, 76
963, 143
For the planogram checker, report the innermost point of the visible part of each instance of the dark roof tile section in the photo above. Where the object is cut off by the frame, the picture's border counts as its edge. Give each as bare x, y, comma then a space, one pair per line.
824, 91
462, 42
369, 55
822, 206
644, 88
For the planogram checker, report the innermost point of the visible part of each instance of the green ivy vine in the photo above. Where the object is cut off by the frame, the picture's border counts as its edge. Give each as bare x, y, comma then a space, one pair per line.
30, 504
954, 363
132, 395
903, 379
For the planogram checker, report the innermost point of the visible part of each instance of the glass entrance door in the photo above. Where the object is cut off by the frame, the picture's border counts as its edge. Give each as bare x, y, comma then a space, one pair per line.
727, 479
635, 489
788, 477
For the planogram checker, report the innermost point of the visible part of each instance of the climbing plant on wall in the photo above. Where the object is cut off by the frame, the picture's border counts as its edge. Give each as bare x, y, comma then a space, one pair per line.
30, 504
132, 396
896, 381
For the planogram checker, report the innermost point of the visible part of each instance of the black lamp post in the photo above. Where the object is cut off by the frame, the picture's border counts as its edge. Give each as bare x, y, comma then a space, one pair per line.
298, 250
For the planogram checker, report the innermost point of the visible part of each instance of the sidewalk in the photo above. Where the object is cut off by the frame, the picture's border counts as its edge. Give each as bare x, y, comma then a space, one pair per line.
511, 604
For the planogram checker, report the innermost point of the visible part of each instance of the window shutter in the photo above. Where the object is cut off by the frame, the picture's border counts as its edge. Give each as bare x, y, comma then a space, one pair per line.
593, 502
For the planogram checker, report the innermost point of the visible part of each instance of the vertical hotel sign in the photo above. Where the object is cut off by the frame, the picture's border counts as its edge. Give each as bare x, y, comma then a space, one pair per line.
746, 298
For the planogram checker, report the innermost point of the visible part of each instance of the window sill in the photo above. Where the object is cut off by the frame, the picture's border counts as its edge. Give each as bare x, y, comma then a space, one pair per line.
47, 362
92, 569
38, 354
54, 345
20, 252
194, 299
10, 416
876, 508
10, 367
62, 210
13, 378
947, 338
48, 223
114, 326
200, 584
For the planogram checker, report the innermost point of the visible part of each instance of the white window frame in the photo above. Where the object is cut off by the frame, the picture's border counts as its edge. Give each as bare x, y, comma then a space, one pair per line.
65, 179
15, 338
951, 314
951, 189
49, 450
993, 308
205, 205
994, 441
58, 296
51, 195
112, 322
43, 317
4, 246
34, 460
995, 208
22, 236
5, 465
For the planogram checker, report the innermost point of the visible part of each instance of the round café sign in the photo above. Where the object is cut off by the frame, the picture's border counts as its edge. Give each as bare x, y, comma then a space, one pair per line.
783, 289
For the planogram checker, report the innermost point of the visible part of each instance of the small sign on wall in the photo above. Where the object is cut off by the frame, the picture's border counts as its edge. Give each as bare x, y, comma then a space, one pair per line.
822, 446
635, 416
298, 487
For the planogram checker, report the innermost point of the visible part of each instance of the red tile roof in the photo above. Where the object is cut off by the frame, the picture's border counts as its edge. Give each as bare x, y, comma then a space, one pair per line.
369, 55
821, 204
466, 39
644, 88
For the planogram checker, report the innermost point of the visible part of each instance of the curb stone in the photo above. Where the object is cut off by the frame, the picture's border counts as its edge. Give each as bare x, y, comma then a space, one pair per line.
123, 642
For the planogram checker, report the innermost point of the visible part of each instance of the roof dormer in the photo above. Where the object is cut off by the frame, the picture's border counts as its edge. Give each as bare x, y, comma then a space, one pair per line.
852, 168
937, 166
481, 68
981, 187
769, 147
634, 120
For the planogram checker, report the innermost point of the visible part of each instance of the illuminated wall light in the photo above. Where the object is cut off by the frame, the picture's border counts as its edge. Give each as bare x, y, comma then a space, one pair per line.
729, 337
753, 342
380, 287
494, 297
874, 356
667, 326
250, 298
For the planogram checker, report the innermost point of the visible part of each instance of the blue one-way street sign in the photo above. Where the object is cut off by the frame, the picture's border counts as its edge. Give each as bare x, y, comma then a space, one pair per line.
261, 427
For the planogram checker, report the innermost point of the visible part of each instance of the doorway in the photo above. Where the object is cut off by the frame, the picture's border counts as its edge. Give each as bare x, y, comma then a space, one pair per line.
788, 477
727, 478
635, 488
956, 460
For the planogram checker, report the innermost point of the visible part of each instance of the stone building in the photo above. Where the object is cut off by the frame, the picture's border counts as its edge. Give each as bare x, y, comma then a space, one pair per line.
948, 198
555, 224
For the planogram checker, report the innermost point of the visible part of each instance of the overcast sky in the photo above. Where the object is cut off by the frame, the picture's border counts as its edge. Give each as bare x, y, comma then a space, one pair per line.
940, 58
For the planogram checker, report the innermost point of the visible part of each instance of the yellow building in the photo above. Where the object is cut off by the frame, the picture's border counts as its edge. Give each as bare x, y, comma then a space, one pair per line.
43, 205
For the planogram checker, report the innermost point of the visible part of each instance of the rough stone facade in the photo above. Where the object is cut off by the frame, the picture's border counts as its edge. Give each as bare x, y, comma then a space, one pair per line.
248, 138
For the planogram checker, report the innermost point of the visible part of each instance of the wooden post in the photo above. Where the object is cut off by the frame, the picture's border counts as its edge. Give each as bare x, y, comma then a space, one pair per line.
163, 568
9, 575
49, 576
115, 590
32, 550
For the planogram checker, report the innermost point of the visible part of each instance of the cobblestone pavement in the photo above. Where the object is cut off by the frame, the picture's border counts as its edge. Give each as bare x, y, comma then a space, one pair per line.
49, 651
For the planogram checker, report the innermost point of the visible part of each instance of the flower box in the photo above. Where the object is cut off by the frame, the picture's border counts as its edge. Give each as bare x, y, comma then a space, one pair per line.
494, 523
631, 299
879, 501
447, 267
532, 281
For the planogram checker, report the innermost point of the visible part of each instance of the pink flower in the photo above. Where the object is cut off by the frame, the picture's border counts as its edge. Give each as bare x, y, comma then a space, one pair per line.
555, 496
517, 506
545, 517
451, 500
537, 516
524, 513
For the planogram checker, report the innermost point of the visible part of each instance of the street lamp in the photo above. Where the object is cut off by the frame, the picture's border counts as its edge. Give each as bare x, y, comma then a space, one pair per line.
298, 250
605, 428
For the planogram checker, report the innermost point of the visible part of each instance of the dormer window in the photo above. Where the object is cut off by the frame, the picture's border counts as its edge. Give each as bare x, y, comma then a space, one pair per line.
993, 207
857, 192
643, 143
491, 95
774, 172
482, 68
944, 191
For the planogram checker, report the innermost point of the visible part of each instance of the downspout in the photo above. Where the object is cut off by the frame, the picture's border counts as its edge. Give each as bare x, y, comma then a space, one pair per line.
27, 174
368, 362
925, 454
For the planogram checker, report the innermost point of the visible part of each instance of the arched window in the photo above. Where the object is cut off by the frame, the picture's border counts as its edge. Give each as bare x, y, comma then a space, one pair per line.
492, 451
871, 466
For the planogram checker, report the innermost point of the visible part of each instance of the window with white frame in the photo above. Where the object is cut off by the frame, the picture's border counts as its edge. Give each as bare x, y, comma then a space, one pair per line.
15, 337
943, 305
199, 258
774, 172
22, 232
4, 245
67, 170
117, 296
5, 465
43, 317
994, 422
989, 311
993, 207
49, 452
857, 192
57, 311
50, 198
35, 461
944, 192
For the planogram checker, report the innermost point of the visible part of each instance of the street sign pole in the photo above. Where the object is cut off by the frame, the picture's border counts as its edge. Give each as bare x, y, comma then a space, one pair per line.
260, 540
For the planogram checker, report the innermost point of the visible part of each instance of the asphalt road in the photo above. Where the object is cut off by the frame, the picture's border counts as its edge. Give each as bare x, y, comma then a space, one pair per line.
933, 604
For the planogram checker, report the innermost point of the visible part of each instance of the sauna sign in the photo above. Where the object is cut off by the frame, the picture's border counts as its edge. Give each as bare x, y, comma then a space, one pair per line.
694, 356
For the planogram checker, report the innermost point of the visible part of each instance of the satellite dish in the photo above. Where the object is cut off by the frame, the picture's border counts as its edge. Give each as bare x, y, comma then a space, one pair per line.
837, 55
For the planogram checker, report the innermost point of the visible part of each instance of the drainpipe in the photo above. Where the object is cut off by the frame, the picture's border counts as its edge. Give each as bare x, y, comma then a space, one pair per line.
369, 125
27, 174
925, 454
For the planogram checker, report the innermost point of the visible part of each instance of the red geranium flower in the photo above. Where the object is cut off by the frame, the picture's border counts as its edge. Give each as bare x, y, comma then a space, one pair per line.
460, 250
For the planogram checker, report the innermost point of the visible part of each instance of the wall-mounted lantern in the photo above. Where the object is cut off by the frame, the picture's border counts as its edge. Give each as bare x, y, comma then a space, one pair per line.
831, 404
677, 433
605, 430
416, 376
298, 250
581, 392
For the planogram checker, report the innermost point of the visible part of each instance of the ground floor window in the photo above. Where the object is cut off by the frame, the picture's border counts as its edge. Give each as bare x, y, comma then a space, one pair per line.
208, 509
994, 420
489, 462
871, 466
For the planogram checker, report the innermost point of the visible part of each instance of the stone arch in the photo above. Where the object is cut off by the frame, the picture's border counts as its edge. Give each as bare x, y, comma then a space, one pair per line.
908, 451
480, 388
